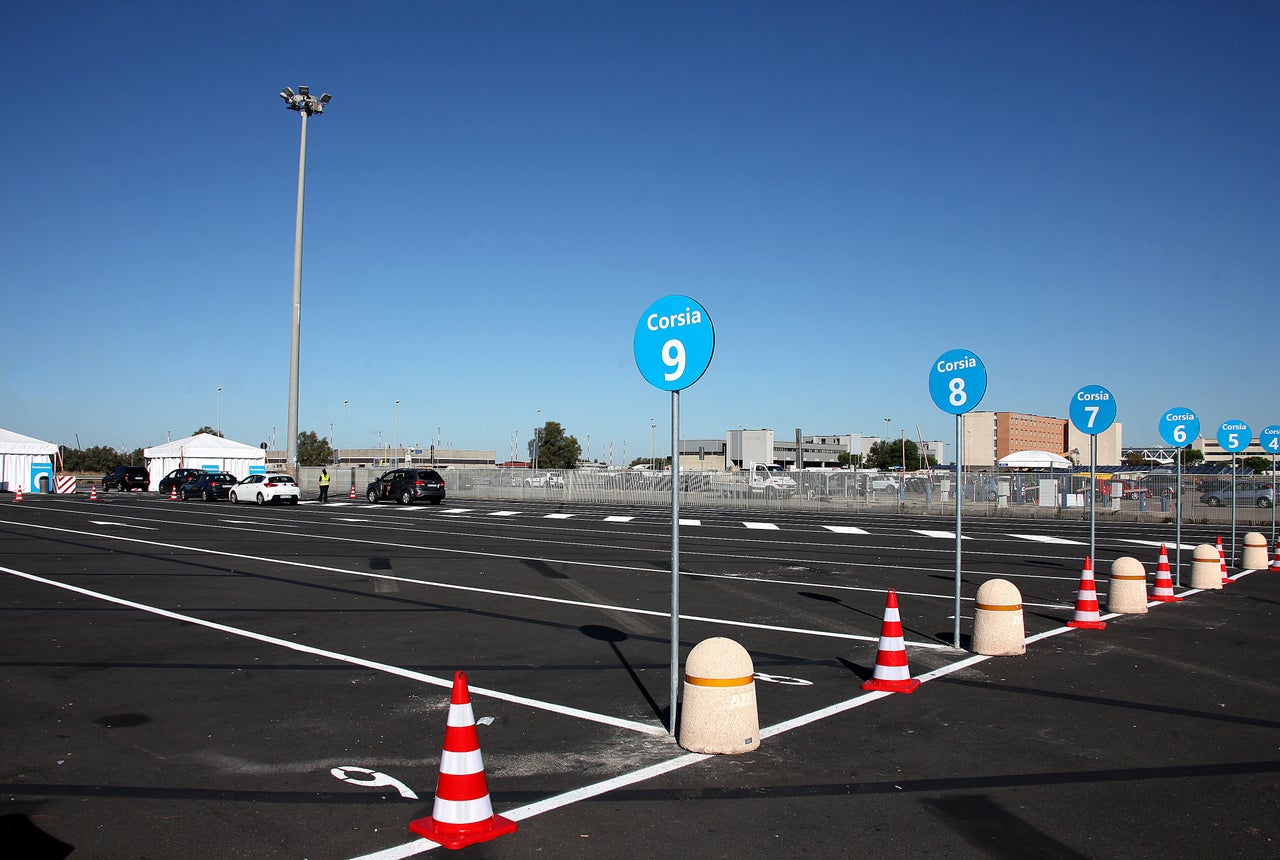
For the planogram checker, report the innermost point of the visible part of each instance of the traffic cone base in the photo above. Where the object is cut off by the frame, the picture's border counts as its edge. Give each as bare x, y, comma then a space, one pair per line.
1222, 563
93, 492
353, 492
1086, 616
18, 496
1275, 562
892, 675
462, 814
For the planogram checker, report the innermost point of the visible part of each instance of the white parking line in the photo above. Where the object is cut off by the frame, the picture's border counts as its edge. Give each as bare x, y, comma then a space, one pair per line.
933, 534
445, 683
618, 519
557, 516
1046, 539
763, 526
847, 530
685, 522
504, 513
456, 511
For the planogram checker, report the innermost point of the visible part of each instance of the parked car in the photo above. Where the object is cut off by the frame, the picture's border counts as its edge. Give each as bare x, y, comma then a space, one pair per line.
407, 486
1130, 490
547, 480
208, 486
1247, 492
126, 478
271, 487
175, 479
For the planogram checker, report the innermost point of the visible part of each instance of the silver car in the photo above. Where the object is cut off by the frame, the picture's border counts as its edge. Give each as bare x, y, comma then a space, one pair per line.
1247, 492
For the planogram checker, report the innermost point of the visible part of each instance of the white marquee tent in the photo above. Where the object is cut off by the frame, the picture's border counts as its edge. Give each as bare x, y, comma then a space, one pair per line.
203, 451
1034, 460
23, 460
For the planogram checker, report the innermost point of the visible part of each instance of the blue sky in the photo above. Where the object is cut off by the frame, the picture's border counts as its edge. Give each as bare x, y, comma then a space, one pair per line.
1080, 193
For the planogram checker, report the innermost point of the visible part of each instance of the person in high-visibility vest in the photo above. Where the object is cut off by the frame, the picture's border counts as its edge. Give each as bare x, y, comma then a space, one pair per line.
324, 485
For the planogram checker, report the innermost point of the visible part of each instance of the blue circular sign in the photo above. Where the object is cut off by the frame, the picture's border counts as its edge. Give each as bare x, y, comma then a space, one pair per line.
674, 342
957, 381
1234, 436
1269, 439
1092, 410
1179, 426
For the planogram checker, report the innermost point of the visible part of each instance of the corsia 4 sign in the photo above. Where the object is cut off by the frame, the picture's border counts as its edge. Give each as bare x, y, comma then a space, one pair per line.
1269, 439
674, 342
1179, 426
1092, 410
957, 381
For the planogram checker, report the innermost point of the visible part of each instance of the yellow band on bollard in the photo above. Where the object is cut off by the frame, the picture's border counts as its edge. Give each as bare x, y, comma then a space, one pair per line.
993, 608
718, 682
1134, 578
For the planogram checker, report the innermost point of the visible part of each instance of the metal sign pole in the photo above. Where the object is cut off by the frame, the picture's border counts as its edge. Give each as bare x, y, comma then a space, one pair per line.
675, 555
1093, 498
959, 507
1178, 531
1233, 510
1273, 502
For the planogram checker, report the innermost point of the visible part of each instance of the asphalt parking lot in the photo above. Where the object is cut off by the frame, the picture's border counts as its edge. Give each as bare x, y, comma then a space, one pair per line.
208, 680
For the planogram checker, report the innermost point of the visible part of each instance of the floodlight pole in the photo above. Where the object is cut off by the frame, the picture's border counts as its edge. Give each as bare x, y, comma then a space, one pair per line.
306, 105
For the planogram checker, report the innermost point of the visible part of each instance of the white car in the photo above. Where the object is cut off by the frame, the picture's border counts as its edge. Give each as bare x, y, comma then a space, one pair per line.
266, 488
547, 480
884, 484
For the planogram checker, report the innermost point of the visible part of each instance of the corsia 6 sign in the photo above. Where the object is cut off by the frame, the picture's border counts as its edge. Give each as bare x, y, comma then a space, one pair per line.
674, 342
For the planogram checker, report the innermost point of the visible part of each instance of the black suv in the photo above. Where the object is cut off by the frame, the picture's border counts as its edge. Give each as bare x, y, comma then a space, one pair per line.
408, 485
175, 479
126, 478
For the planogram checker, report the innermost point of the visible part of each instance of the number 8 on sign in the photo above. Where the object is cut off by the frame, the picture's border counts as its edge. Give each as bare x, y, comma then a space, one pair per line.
957, 381
673, 343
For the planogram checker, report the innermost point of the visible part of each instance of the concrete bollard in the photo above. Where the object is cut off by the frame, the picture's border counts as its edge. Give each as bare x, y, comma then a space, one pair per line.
719, 713
1128, 591
998, 628
1206, 567
1255, 552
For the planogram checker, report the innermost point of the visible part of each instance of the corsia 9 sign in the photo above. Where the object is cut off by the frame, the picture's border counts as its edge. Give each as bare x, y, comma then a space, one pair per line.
674, 342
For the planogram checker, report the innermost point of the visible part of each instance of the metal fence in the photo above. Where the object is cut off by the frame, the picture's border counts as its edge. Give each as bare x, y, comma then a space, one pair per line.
1205, 498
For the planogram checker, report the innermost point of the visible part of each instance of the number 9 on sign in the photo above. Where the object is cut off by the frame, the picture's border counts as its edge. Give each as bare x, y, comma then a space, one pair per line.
957, 381
673, 343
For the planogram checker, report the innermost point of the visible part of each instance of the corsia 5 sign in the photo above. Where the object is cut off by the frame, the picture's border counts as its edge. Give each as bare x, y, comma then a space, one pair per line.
674, 342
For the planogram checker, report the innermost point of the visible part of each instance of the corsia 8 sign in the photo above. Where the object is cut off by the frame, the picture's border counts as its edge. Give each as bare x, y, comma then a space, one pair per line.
674, 342
957, 381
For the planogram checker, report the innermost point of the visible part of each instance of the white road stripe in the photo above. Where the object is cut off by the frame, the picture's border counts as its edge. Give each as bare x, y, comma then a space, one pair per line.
504, 513
1047, 539
445, 683
933, 534
763, 526
847, 530
618, 519
685, 522
1157, 543
557, 516
123, 525
456, 511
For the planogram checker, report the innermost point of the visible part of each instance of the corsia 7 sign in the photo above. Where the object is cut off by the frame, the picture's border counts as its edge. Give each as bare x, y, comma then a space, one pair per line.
674, 342
957, 381
1092, 409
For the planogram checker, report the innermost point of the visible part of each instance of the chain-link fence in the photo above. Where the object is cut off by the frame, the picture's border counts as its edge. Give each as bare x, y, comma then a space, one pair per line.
1205, 498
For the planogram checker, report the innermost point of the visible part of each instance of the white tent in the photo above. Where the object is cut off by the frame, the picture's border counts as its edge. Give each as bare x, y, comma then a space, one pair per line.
1034, 460
203, 451
24, 461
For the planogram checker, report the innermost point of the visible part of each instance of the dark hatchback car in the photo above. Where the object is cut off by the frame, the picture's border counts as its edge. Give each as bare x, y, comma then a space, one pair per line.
407, 486
208, 486
126, 478
175, 479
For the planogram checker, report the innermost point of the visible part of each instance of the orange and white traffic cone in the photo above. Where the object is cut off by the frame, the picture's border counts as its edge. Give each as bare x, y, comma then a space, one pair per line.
1222, 562
173, 493
352, 494
93, 492
892, 675
462, 814
1164, 580
1087, 616
17, 497
1275, 561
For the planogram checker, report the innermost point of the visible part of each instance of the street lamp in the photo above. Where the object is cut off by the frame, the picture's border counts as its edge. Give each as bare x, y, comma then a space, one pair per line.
652, 426
219, 410
397, 426
537, 437
306, 105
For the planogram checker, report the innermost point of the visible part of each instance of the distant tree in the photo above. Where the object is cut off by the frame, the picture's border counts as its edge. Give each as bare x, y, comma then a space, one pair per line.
313, 450
1258, 464
207, 429
552, 448
888, 454
1191, 456
86, 461
1133, 459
